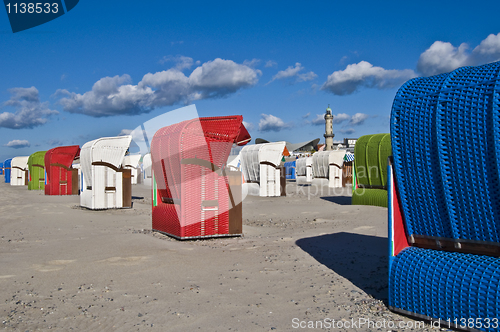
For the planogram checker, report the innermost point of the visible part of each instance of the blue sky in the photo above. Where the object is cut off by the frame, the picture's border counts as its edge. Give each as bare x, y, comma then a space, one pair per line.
105, 67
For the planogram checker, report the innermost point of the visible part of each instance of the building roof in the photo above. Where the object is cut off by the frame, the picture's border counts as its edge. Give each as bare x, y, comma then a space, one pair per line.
307, 145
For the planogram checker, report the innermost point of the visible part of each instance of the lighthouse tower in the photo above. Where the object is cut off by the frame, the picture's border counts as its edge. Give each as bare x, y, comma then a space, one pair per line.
328, 129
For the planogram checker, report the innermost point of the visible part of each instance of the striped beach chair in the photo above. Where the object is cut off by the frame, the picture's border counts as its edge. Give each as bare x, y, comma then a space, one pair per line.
371, 153
193, 196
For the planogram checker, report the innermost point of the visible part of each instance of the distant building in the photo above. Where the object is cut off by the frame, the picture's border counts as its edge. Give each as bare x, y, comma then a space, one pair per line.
347, 143
350, 142
296, 148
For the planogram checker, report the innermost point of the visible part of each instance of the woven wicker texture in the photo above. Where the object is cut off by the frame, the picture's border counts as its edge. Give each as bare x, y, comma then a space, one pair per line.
18, 174
445, 140
445, 285
302, 164
185, 160
372, 160
384, 151
6, 170
290, 170
360, 160
36, 167
371, 153
58, 162
375, 197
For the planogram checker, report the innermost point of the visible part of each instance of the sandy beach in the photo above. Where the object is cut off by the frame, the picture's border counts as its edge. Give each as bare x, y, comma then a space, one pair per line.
307, 257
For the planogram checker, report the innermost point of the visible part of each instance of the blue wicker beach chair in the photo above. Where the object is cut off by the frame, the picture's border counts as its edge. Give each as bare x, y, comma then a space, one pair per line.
444, 207
290, 170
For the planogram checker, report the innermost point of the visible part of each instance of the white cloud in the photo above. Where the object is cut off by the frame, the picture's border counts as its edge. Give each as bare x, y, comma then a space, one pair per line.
270, 122
270, 63
181, 62
294, 72
487, 51
109, 96
306, 115
125, 132
318, 120
341, 117
113, 96
306, 77
358, 119
221, 77
289, 72
252, 63
442, 57
364, 74
30, 111
17, 144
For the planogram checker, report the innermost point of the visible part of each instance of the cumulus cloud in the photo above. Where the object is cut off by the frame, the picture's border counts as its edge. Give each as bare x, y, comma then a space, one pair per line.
487, 51
358, 119
221, 77
364, 74
17, 144
269, 122
442, 57
306, 77
341, 117
318, 120
116, 96
291, 72
109, 96
30, 111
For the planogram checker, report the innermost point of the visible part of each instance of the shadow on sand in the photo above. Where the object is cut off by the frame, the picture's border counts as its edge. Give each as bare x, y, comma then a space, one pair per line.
341, 200
362, 259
